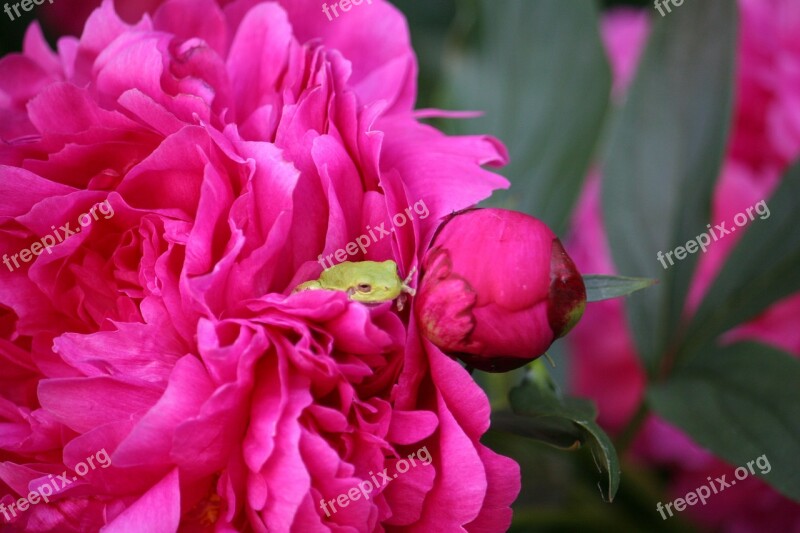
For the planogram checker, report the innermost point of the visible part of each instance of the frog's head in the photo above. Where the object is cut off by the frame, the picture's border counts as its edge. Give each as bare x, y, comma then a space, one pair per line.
374, 282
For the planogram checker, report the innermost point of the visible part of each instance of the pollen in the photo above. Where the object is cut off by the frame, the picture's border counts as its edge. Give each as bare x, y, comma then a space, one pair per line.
207, 511
210, 514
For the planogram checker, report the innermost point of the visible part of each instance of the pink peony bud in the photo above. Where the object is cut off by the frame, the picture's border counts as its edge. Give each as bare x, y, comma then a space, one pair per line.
497, 289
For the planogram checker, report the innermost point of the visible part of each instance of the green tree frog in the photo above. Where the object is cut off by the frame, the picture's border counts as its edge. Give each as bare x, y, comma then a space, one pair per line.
364, 281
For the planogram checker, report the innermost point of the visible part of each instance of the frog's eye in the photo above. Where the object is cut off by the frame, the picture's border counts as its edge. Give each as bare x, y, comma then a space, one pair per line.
364, 287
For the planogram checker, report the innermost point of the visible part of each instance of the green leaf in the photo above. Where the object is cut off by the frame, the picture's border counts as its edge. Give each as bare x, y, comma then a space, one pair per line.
741, 403
762, 269
543, 81
599, 288
663, 158
557, 432
605, 456
561, 422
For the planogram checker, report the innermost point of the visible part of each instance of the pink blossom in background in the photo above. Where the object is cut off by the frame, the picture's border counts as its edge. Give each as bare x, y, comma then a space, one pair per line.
765, 139
235, 145
624, 34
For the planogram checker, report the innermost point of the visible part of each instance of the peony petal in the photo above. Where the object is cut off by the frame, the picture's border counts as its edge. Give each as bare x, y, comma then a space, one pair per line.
82, 403
158, 510
151, 441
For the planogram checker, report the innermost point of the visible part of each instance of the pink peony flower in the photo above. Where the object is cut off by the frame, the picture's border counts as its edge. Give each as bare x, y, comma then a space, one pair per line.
764, 141
233, 147
497, 289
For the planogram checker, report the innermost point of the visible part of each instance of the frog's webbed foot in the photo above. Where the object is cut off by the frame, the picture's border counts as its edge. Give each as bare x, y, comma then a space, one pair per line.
401, 301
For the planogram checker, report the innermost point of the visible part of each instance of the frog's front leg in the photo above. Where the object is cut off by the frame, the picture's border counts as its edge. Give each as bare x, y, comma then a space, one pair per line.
312, 285
406, 287
406, 290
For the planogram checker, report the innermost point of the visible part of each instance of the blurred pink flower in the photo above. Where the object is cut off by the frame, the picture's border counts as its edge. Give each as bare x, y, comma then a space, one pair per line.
624, 33
235, 146
765, 139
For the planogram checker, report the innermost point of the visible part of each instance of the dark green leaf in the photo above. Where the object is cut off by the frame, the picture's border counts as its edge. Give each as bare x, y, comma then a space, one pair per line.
741, 403
557, 432
663, 159
605, 456
561, 422
542, 78
764, 267
599, 288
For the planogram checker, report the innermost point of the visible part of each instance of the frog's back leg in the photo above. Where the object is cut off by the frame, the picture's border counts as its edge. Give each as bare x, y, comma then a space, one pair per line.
308, 286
